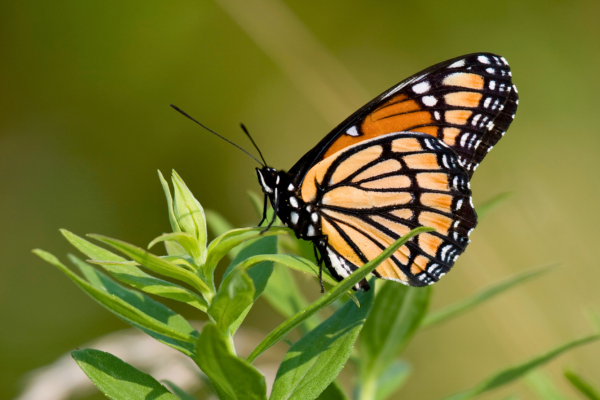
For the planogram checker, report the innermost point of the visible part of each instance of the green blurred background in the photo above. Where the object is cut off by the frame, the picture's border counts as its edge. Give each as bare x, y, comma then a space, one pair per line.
85, 123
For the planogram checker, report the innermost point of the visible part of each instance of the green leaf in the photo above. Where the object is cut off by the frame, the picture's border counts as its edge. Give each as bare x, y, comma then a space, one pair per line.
335, 293
144, 303
223, 244
185, 240
396, 316
314, 361
127, 272
259, 274
299, 264
179, 392
156, 264
91, 250
542, 386
514, 372
127, 304
175, 249
188, 211
231, 377
283, 295
140, 280
582, 385
489, 205
480, 297
392, 379
235, 295
333, 392
172, 218
117, 379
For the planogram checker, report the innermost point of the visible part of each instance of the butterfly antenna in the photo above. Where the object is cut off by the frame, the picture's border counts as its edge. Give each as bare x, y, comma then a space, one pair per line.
254, 143
179, 110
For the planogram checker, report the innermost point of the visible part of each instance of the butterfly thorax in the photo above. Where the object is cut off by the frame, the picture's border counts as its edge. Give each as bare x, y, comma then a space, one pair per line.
285, 198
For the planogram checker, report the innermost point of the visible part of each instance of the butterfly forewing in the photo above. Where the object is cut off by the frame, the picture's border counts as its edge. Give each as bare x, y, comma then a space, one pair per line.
371, 193
467, 102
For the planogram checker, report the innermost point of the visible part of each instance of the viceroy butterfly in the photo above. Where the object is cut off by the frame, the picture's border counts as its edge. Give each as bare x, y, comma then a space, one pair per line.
403, 160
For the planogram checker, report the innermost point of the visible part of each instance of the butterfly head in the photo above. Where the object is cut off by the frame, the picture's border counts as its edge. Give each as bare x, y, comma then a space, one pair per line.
269, 179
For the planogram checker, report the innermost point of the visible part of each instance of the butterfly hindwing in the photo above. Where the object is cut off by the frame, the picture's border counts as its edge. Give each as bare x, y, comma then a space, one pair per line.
373, 192
467, 102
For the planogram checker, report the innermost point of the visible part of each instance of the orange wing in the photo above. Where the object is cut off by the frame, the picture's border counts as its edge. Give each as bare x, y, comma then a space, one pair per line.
371, 193
467, 102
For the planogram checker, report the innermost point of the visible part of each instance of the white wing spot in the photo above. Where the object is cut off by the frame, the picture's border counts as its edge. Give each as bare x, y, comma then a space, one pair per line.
437, 114
314, 217
457, 64
487, 102
483, 59
311, 231
459, 204
490, 126
352, 131
492, 85
421, 87
475, 119
429, 101
463, 140
294, 217
293, 202
490, 70
514, 87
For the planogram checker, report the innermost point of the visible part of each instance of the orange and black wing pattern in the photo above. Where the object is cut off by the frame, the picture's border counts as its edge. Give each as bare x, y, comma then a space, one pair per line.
371, 193
467, 102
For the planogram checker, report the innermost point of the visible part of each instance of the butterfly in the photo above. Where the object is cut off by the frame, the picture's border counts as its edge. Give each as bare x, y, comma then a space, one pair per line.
403, 160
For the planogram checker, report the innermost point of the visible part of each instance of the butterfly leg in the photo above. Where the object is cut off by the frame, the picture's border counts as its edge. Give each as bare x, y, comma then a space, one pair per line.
275, 207
264, 216
320, 244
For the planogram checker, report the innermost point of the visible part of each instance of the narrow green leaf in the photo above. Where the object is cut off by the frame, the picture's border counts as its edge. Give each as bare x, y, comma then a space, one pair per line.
396, 316
188, 211
140, 280
156, 264
179, 392
127, 272
514, 372
333, 392
235, 295
259, 274
185, 240
392, 379
120, 306
145, 304
172, 218
299, 264
542, 386
335, 293
582, 385
283, 295
231, 377
174, 249
223, 244
314, 361
90, 249
117, 379
480, 297
489, 205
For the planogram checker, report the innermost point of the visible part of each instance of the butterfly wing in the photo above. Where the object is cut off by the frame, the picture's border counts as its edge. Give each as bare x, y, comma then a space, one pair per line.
371, 193
467, 102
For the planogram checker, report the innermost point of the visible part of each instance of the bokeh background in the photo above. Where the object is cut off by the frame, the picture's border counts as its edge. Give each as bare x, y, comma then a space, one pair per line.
85, 123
